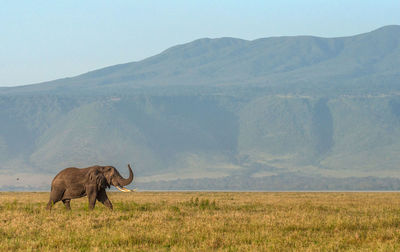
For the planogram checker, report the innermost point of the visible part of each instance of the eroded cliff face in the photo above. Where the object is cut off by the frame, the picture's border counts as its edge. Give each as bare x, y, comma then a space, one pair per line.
342, 136
205, 136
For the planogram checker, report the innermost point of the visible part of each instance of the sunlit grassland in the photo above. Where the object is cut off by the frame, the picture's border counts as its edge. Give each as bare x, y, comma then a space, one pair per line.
203, 221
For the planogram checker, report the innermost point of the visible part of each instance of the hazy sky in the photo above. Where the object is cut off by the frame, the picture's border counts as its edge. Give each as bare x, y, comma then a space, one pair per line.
47, 40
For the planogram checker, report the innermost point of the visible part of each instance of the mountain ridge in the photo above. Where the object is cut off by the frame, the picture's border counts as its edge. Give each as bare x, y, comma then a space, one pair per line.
200, 46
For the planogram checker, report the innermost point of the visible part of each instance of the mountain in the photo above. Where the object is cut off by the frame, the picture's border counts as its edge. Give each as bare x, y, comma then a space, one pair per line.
224, 110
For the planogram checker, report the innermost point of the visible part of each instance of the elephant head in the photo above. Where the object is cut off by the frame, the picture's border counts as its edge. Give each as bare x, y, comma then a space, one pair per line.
106, 176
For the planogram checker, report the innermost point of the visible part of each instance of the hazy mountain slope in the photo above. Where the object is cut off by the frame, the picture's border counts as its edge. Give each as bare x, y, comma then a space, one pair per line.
302, 106
161, 133
93, 131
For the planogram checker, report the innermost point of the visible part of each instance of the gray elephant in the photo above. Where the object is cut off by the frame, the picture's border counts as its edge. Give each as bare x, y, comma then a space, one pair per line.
72, 183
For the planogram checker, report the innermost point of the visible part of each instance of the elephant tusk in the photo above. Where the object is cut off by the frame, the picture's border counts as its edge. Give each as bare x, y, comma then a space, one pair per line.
121, 189
129, 189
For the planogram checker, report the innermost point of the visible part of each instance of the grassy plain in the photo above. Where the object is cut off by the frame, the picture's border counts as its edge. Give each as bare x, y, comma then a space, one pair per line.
204, 221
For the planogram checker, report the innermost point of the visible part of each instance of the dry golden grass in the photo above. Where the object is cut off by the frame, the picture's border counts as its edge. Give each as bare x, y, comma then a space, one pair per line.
204, 221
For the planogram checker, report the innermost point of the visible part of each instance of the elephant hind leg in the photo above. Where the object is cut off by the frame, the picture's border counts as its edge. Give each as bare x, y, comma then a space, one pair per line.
67, 203
55, 196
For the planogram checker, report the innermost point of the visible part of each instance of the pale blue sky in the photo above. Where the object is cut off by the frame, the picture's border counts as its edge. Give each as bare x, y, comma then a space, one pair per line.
47, 40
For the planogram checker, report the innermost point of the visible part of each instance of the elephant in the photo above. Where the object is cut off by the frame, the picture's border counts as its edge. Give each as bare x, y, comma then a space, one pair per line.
72, 183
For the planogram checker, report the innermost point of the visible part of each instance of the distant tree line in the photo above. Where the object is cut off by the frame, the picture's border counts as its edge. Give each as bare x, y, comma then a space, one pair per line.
285, 182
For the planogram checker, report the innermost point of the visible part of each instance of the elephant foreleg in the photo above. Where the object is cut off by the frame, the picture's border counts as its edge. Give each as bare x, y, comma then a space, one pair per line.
103, 198
92, 195
92, 203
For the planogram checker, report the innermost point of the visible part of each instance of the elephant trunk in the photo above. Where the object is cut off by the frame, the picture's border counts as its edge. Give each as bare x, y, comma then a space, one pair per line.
122, 181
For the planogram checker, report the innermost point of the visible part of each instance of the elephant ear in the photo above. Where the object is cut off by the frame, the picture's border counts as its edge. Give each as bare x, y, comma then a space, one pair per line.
108, 173
98, 178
